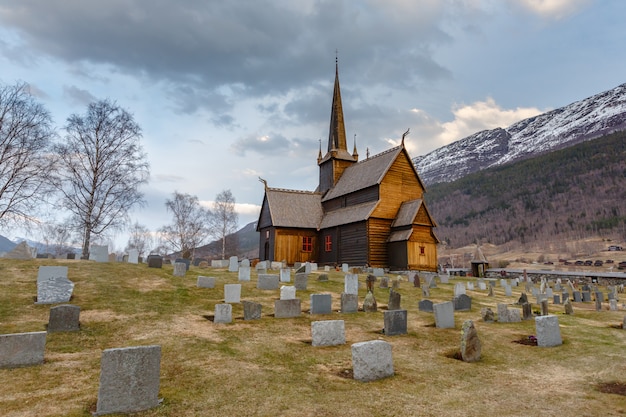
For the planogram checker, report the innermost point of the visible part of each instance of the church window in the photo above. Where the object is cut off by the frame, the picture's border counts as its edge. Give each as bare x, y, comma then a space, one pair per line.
328, 243
307, 244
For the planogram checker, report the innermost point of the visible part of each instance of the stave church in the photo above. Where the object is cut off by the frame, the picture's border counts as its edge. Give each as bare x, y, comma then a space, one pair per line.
368, 212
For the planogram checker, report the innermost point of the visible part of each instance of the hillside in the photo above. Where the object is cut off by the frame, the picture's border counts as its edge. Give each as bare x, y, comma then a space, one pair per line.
571, 193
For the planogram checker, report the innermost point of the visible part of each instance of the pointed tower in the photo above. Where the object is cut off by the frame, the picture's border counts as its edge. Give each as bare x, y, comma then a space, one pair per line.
337, 158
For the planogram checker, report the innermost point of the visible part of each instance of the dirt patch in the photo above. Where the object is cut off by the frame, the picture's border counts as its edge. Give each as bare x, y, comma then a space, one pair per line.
346, 373
612, 387
454, 354
527, 340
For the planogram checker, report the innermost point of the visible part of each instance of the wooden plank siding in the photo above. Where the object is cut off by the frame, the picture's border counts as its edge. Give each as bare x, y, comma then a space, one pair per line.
422, 237
378, 231
399, 184
288, 245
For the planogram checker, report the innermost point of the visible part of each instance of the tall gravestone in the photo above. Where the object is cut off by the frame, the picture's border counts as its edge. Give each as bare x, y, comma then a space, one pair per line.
395, 322
233, 264
133, 256
394, 300
285, 274
99, 253
444, 315
470, 343
351, 284
301, 281
243, 274
129, 379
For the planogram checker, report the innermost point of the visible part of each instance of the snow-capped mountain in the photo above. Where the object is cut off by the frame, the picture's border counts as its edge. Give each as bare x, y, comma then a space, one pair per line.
580, 121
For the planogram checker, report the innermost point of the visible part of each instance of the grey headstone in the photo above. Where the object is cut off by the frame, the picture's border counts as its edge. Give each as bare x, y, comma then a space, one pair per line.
180, 269
328, 333
598, 304
548, 331
487, 314
444, 278
287, 292
508, 291
322, 278
223, 313
205, 282
425, 291
53, 286
245, 262
613, 304
425, 305
444, 315
349, 303
232, 293
527, 311
577, 297
351, 284
155, 261
463, 303
556, 299
233, 264
129, 379
565, 297
395, 322
371, 360
300, 281
287, 308
394, 300
321, 304
586, 296
503, 313
378, 272
64, 318
22, 349
133, 256
568, 307
384, 282
345, 268
185, 261
243, 274
251, 310
285, 274
369, 304
459, 288
99, 253
514, 315
544, 308
267, 282
470, 343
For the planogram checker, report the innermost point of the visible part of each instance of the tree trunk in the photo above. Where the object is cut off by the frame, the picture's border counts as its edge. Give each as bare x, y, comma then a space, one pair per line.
86, 241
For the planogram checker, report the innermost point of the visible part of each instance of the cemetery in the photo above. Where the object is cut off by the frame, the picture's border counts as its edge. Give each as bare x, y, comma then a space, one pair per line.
124, 337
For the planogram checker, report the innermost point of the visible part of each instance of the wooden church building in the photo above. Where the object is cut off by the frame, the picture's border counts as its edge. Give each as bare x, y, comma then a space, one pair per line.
368, 212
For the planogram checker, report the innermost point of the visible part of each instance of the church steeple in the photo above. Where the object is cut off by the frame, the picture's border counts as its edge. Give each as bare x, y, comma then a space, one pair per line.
337, 132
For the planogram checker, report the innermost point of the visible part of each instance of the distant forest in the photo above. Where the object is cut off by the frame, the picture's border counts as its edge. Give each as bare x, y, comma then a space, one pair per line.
569, 194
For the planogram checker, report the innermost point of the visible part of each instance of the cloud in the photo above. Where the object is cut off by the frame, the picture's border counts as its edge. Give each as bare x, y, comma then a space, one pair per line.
78, 96
554, 9
268, 144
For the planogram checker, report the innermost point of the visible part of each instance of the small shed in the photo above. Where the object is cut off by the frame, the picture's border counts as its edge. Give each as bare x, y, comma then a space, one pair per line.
479, 263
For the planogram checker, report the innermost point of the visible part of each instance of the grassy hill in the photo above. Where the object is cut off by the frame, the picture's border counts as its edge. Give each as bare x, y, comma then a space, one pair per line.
572, 193
268, 367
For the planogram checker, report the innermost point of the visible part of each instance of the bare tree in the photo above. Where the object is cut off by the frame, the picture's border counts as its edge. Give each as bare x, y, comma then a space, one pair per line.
57, 237
102, 165
140, 238
189, 228
25, 164
224, 218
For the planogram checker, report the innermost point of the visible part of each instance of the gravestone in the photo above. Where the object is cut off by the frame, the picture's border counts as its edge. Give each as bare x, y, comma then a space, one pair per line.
549, 292
180, 269
425, 305
133, 256
322, 277
522, 299
395, 322
462, 303
577, 297
395, 284
613, 304
416, 281
129, 379
328, 333
243, 274
548, 331
586, 296
444, 315
245, 262
369, 304
556, 299
490, 293
287, 292
470, 343
425, 291
568, 307
233, 264
565, 297
470, 286
349, 303
155, 261
21, 251
185, 261
503, 313
508, 291
223, 313
321, 304
487, 314
371, 360
232, 293
313, 266
205, 282
267, 282
384, 282
544, 308
394, 300
99, 253
432, 283
300, 281
598, 304
378, 272
482, 286
351, 284
307, 268
64, 318
411, 277
459, 288
22, 349
345, 268
527, 311
444, 278
251, 310
53, 286
287, 308
285, 274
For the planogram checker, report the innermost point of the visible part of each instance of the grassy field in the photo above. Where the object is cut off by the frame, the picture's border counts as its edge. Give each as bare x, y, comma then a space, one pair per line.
268, 367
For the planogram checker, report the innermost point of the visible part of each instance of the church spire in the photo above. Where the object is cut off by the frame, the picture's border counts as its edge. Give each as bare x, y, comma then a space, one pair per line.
355, 154
337, 133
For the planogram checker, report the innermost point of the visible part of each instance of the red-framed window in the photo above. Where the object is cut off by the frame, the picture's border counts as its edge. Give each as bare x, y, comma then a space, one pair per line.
422, 250
328, 243
307, 244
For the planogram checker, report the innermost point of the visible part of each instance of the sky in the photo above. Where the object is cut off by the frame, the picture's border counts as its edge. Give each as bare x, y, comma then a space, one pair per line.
229, 91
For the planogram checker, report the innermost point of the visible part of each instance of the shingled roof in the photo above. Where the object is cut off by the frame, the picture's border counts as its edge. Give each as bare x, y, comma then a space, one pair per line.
348, 215
293, 208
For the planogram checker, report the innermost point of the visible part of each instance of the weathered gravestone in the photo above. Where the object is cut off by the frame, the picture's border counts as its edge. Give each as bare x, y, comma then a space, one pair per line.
369, 304
577, 297
394, 300
444, 315
322, 277
64, 318
233, 264
129, 379
395, 322
351, 284
371, 360
285, 274
462, 303
133, 256
345, 268
223, 313
384, 282
251, 310
22, 349
527, 311
470, 343
487, 314
99, 253
205, 282
300, 281
459, 288
556, 299
508, 292
349, 303
267, 282
444, 278
180, 269
328, 333
425, 305
548, 331
568, 307
155, 261
378, 272
185, 261
53, 286
522, 299
321, 304
470, 286
508, 316
287, 292
544, 308
287, 308
586, 296
243, 274
613, 304
232, 293
598, 303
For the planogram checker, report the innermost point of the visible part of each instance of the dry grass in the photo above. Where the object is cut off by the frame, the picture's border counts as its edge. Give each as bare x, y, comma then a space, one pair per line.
268, 367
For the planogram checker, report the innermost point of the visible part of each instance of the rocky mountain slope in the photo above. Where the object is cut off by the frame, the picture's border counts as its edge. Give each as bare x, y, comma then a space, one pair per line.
583, 120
